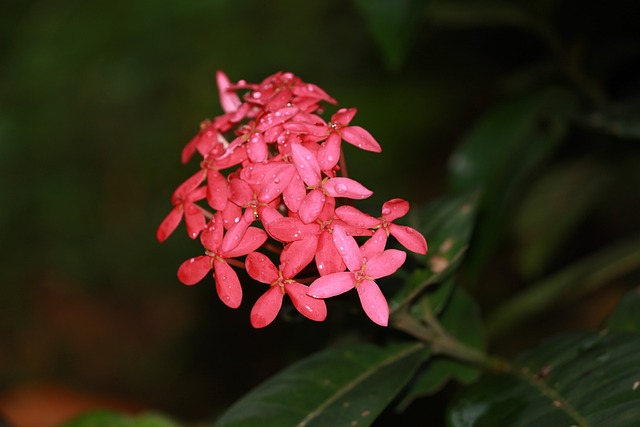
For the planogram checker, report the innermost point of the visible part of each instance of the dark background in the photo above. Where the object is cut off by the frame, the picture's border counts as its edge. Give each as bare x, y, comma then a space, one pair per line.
98, 98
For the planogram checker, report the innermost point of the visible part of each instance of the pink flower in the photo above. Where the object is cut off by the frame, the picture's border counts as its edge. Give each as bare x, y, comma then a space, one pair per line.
391, 210
183, 200
213, 239
365, 264
281, 281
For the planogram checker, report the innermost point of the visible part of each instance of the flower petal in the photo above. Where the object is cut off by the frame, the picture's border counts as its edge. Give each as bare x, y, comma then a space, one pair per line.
297, 255
329, 152
274, 186
194, 219
288, 229
217, 190
347, 248
260, 268
266, 308
355, 217
409, 238
294, 193
169, 224
332, 285
194, 270
252, 240
328, 260
306, 164
229, 100
236, 233
373, 302
346, 187
227, 284
257, 150
344, 116
311, 206
394, 209
361, 138
375, 245
309, 307
385, 264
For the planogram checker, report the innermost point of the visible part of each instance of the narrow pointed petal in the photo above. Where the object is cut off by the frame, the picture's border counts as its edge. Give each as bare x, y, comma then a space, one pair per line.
257, 150
229, 100
236, 232
311, 206
394, 209
252, 240
260, 268
347, 248
276, 118
227, 284
309, 307
294, 193
409, 238
385, 264
332, 285
274, 186
373, 302
361, 138
375, 245
194, 219
290, 229
240, 192
169, 224
329, 152
297, 255
306, 164
194, 270
355, 217
217, 190
188, 187
266, 308
346, 187
328, 260
344, 116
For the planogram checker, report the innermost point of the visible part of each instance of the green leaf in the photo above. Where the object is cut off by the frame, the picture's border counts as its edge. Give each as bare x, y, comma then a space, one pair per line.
575, 280
626, 316
499, 154
447, 224
461, 318
467, 14
340, 386
394, 24
580, 379
102, 418
554, 207
620, 121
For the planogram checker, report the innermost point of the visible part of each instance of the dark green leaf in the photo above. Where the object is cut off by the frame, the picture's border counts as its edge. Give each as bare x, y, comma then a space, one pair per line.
114, 419
346, 386
621, 121
575, 280
461, 319
581, 379
501, 151
394, 24
555, 206
469, 14
447, 224
626, 316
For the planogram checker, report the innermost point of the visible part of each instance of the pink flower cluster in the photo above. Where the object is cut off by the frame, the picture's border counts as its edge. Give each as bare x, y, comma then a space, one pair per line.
271, 177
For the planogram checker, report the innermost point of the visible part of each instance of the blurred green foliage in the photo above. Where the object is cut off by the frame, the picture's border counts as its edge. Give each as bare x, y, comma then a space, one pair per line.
98, 98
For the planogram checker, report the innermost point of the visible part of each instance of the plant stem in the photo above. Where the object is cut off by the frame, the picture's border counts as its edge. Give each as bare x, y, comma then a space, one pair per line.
445, 344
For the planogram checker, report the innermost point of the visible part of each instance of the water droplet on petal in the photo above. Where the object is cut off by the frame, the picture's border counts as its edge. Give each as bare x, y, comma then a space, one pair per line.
257, 95
341, 188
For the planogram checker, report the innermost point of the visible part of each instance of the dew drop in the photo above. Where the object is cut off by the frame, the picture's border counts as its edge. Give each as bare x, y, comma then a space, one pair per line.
341, 188
277, 180
386, 211
257, 95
